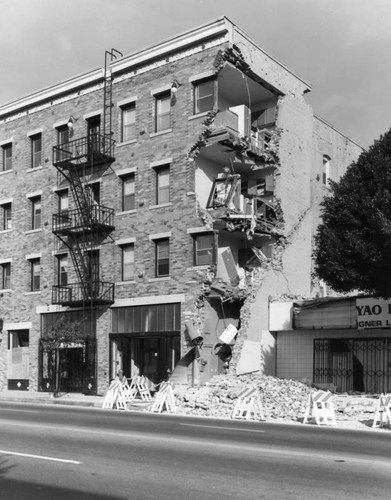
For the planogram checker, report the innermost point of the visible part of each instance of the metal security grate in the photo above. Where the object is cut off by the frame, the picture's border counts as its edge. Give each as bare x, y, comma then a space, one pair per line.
353, 365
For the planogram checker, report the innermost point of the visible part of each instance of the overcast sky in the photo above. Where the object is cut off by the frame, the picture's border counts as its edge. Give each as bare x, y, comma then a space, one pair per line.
341, 47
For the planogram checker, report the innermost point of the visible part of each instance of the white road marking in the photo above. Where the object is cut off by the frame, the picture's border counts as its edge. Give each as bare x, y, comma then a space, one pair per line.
20, 411
221, 427
40, 457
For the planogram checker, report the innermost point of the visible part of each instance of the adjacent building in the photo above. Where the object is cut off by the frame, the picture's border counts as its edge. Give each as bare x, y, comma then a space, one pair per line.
159, 202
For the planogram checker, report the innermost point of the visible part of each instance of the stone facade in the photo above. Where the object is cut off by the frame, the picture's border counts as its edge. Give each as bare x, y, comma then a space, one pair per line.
194, 146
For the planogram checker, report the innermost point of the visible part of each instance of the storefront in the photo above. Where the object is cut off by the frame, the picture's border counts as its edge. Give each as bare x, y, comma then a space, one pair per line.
71, 366
145, 340
343, 342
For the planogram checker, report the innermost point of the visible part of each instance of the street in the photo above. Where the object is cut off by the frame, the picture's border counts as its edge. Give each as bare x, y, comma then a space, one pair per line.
65, 452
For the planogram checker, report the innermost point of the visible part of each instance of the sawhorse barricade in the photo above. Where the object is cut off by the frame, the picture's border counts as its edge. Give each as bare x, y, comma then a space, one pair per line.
383, 411
114, 397
129, 392
320, 407
139, 387
164, 399
248, 406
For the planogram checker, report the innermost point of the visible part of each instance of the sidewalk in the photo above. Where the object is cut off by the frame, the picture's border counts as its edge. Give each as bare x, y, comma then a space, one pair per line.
72, 399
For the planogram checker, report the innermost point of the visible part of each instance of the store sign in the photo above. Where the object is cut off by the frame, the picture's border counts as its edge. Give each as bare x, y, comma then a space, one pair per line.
373, 313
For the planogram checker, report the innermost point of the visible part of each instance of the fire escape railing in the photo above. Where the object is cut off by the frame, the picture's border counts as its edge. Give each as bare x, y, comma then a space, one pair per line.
76, 294
73, 220
83, 150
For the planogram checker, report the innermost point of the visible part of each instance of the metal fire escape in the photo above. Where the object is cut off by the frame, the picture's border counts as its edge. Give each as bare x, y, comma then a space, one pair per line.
89, 223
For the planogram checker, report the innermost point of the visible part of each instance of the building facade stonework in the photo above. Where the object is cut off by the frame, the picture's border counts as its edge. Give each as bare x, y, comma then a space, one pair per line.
159, 245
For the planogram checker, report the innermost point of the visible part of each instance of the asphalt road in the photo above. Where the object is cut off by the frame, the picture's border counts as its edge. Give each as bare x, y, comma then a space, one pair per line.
55, 453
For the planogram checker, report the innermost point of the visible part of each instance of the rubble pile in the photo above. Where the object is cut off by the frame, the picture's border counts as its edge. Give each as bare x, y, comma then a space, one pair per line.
281, 399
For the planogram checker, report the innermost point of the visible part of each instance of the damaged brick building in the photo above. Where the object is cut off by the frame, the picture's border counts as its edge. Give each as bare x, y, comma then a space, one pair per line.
159, 202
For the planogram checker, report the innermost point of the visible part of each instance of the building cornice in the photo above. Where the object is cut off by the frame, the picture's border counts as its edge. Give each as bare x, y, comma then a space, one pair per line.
95, 77
216, 32
65, 87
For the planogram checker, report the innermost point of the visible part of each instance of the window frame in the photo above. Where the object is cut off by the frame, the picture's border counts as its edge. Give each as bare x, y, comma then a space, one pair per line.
36, 212
128, 198
130, 275
63, 132
35, 278
326, 163
196, 251
198, 100
125, 135
5, 276
61, 274
7, 219
7, 159
62, 195
162, 194
162, 243
160, 116
36, 154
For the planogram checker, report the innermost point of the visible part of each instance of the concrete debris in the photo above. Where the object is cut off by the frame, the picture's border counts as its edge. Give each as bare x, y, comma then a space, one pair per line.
283, 400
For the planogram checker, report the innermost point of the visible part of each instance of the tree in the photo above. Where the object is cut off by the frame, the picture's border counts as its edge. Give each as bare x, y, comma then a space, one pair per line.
353, 243
56, 335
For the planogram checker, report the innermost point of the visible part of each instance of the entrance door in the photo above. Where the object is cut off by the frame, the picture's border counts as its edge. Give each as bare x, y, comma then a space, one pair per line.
70, 369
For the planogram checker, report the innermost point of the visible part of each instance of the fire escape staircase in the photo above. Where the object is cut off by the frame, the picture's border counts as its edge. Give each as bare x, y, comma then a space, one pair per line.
82, 228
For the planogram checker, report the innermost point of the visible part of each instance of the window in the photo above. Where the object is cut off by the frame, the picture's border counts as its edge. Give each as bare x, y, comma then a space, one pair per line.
93, 264
128, 122
127, 262
62, 270
7, 216
63, 134
7, 157
204, 96
36, 150
93, 132
95, 192
63, 201
6, 276
163, 111
36, 212
326, 170
35, 274
162, 185
18, 338
162, 257
203, 249
128, 193
63, 139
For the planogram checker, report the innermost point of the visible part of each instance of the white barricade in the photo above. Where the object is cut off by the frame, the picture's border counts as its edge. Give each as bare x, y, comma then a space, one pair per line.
320, 407
129, 392
164, 399
114, 397
140, 384
248, 406
383, 411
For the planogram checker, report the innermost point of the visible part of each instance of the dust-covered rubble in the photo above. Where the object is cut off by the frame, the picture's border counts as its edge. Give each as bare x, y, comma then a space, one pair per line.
282, 400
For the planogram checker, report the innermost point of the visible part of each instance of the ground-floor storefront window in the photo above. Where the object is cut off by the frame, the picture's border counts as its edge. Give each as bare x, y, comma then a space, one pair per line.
72, 370
145, 340
362, 365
